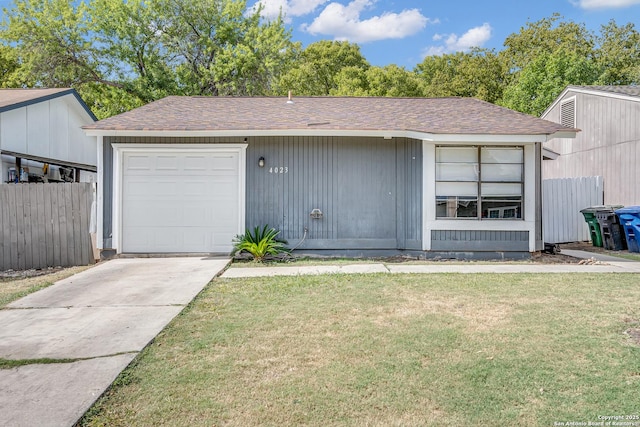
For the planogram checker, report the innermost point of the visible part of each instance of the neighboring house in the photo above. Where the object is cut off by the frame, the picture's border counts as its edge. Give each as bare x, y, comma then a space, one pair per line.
41, 133
608, 144
335, 175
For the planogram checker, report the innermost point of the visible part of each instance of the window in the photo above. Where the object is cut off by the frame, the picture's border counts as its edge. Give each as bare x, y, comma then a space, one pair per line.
479, 182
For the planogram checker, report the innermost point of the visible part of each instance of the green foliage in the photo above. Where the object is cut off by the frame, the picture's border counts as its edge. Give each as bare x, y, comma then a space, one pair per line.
545, 37
259, 243
8, 65
543, 79
618, 54
316, 70
390, 80
120, 55
479, 74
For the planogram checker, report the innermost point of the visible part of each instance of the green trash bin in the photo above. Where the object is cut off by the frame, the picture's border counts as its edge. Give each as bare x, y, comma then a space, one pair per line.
592, 221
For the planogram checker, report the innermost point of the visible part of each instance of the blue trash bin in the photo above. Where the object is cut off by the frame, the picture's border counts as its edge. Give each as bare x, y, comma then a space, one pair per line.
630, 221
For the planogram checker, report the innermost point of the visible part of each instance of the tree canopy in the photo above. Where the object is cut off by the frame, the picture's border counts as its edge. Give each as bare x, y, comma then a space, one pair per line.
316, 70
120, 55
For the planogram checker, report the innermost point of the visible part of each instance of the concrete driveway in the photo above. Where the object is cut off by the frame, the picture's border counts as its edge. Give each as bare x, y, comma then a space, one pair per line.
94, 323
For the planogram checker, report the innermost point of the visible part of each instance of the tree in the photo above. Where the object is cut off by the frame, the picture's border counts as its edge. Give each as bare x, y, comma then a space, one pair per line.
391, 80
119, 55
351, 81
544, 78
8, 65
543, 37
317, 67
618, 54
542, 59
479, 74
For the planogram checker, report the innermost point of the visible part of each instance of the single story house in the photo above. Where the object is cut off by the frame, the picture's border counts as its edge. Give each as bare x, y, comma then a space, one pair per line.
334, 174
608, 144
41, 135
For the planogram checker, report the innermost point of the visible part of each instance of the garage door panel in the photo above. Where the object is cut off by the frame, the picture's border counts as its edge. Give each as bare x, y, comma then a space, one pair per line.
151, 189
138, 163
180, 202
196, 163
167, 163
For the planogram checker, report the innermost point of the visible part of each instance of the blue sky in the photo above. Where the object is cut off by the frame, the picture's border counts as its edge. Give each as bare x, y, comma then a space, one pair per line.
403, 32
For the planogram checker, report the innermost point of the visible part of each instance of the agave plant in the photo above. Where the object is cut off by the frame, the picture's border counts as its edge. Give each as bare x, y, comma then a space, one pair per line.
261, 243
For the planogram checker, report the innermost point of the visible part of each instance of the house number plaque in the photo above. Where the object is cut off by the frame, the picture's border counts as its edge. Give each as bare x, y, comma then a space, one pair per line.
279, 169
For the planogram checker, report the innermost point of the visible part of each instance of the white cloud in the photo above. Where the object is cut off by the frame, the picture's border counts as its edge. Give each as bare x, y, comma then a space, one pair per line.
344, 23
290, 8
475, 37
605, 4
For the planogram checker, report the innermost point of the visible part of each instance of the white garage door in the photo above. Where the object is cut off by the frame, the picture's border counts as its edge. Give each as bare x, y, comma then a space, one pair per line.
176, 201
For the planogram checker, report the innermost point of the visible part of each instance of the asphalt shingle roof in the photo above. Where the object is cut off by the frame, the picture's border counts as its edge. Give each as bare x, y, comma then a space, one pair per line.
621, 90
16, 97
427, 115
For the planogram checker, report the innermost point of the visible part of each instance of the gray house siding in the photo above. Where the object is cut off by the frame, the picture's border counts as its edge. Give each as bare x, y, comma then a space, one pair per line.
538, 178
479, 240
369, 191
608, 145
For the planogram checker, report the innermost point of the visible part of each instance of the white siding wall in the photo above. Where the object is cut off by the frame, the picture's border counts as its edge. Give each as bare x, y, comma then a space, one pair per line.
563, 199
608, 146
50, 129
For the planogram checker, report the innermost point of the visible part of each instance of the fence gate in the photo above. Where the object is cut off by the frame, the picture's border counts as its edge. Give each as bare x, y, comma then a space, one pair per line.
562, 200
45, 225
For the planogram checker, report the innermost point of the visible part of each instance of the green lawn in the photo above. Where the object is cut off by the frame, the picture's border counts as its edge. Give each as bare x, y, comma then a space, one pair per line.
16, 288
343, 350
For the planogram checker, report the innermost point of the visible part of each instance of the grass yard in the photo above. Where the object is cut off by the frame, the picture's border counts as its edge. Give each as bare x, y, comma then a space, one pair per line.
12, 289
343, 350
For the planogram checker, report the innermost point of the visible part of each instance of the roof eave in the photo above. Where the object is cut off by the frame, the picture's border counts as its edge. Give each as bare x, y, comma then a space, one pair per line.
387, 134
589, 91
548, 154
49, 97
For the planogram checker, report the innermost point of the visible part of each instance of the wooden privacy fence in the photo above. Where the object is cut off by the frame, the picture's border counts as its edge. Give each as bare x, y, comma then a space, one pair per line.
45, 225
562, 200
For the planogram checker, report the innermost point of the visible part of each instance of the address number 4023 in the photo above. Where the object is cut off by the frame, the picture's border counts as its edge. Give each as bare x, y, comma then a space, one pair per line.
279, 169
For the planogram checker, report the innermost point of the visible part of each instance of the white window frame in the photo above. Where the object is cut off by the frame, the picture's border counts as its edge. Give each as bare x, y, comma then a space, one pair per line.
480, 198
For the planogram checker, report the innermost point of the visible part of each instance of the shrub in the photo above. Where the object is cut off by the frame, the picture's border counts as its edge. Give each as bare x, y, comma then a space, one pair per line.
260, 244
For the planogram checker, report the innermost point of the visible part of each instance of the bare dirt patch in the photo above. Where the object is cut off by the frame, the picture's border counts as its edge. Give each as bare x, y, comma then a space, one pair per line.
634, 334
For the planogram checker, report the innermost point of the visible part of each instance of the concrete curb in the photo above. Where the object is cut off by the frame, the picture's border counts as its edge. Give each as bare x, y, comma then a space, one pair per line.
604, 264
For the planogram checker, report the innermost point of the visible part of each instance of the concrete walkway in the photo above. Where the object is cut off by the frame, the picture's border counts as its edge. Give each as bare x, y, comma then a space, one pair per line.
94, 323
604, 264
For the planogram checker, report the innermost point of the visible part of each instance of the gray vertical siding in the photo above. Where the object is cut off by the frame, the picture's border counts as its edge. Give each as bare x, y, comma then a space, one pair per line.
368, 189
539, 235
107, 188
409, 170
608, 146
479, 240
